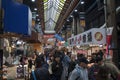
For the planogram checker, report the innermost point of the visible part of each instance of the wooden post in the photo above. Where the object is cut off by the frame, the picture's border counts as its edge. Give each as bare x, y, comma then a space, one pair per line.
110, 19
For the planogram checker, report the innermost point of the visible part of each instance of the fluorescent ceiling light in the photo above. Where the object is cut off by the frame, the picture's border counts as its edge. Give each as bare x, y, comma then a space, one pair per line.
33, 0
35, 9
76, 10
82, 2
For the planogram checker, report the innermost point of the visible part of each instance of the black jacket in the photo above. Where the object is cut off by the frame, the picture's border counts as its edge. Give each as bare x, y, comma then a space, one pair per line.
57, 68
41, 74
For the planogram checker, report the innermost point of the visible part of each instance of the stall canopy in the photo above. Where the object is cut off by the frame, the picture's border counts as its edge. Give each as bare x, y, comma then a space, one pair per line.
17, 17
57, 36
92, 36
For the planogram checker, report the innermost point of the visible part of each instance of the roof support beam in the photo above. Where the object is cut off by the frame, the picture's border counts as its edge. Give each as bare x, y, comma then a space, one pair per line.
40, 6
67, 13
65, 7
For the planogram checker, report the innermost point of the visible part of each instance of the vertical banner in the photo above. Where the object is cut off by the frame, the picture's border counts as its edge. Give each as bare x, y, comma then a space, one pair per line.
108, 38
82, 23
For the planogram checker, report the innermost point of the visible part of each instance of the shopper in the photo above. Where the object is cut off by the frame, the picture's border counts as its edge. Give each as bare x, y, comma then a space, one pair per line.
80, 72
65, 62
40, 72
57, 68
103, 74
114, 71
72, 64
93, 70
30, 63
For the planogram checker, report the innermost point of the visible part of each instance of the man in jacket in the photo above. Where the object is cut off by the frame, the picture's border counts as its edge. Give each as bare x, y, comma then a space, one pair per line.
80, 72
40, 72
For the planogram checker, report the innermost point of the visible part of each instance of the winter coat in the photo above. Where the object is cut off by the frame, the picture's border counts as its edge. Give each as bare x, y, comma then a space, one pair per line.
79, 73
66, 60
114, 71
57, 68
71, 66
92, 71
41, 74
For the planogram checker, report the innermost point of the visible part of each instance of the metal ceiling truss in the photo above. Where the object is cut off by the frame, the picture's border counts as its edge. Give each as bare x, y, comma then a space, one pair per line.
40, 6
71, 7
65, 12
65, 7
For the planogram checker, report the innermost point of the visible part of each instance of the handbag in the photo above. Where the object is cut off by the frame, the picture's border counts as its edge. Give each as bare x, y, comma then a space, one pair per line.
34, 77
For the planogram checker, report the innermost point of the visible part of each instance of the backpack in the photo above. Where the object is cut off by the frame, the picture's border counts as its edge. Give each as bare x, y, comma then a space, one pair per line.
40, 74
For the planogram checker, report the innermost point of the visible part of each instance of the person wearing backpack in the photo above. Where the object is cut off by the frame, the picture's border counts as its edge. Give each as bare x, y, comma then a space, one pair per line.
80, 72
72, 64
40, 72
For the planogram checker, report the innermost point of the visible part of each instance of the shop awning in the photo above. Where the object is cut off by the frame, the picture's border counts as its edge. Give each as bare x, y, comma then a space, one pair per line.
58, 37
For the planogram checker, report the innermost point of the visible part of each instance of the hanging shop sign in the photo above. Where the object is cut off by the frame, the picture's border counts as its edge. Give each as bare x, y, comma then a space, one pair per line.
48, 36
109, 38
81, 51
17, 17
92, 36
82, 22
58, 37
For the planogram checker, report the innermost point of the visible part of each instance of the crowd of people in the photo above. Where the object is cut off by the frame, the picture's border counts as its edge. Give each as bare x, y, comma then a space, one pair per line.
63, 65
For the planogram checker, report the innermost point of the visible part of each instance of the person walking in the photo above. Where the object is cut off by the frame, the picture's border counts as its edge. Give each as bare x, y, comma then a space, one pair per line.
40, 72
57, 68
93, 70
80, 72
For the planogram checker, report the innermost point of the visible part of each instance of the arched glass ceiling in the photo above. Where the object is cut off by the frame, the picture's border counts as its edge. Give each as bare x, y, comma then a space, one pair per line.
52, 10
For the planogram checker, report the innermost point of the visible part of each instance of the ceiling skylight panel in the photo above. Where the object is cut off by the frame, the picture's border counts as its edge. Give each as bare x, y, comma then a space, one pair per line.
56, 18
62, 1
46, 1
52, 10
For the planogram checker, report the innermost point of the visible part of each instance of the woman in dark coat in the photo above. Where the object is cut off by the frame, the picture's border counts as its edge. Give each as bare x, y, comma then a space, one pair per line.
57, 68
